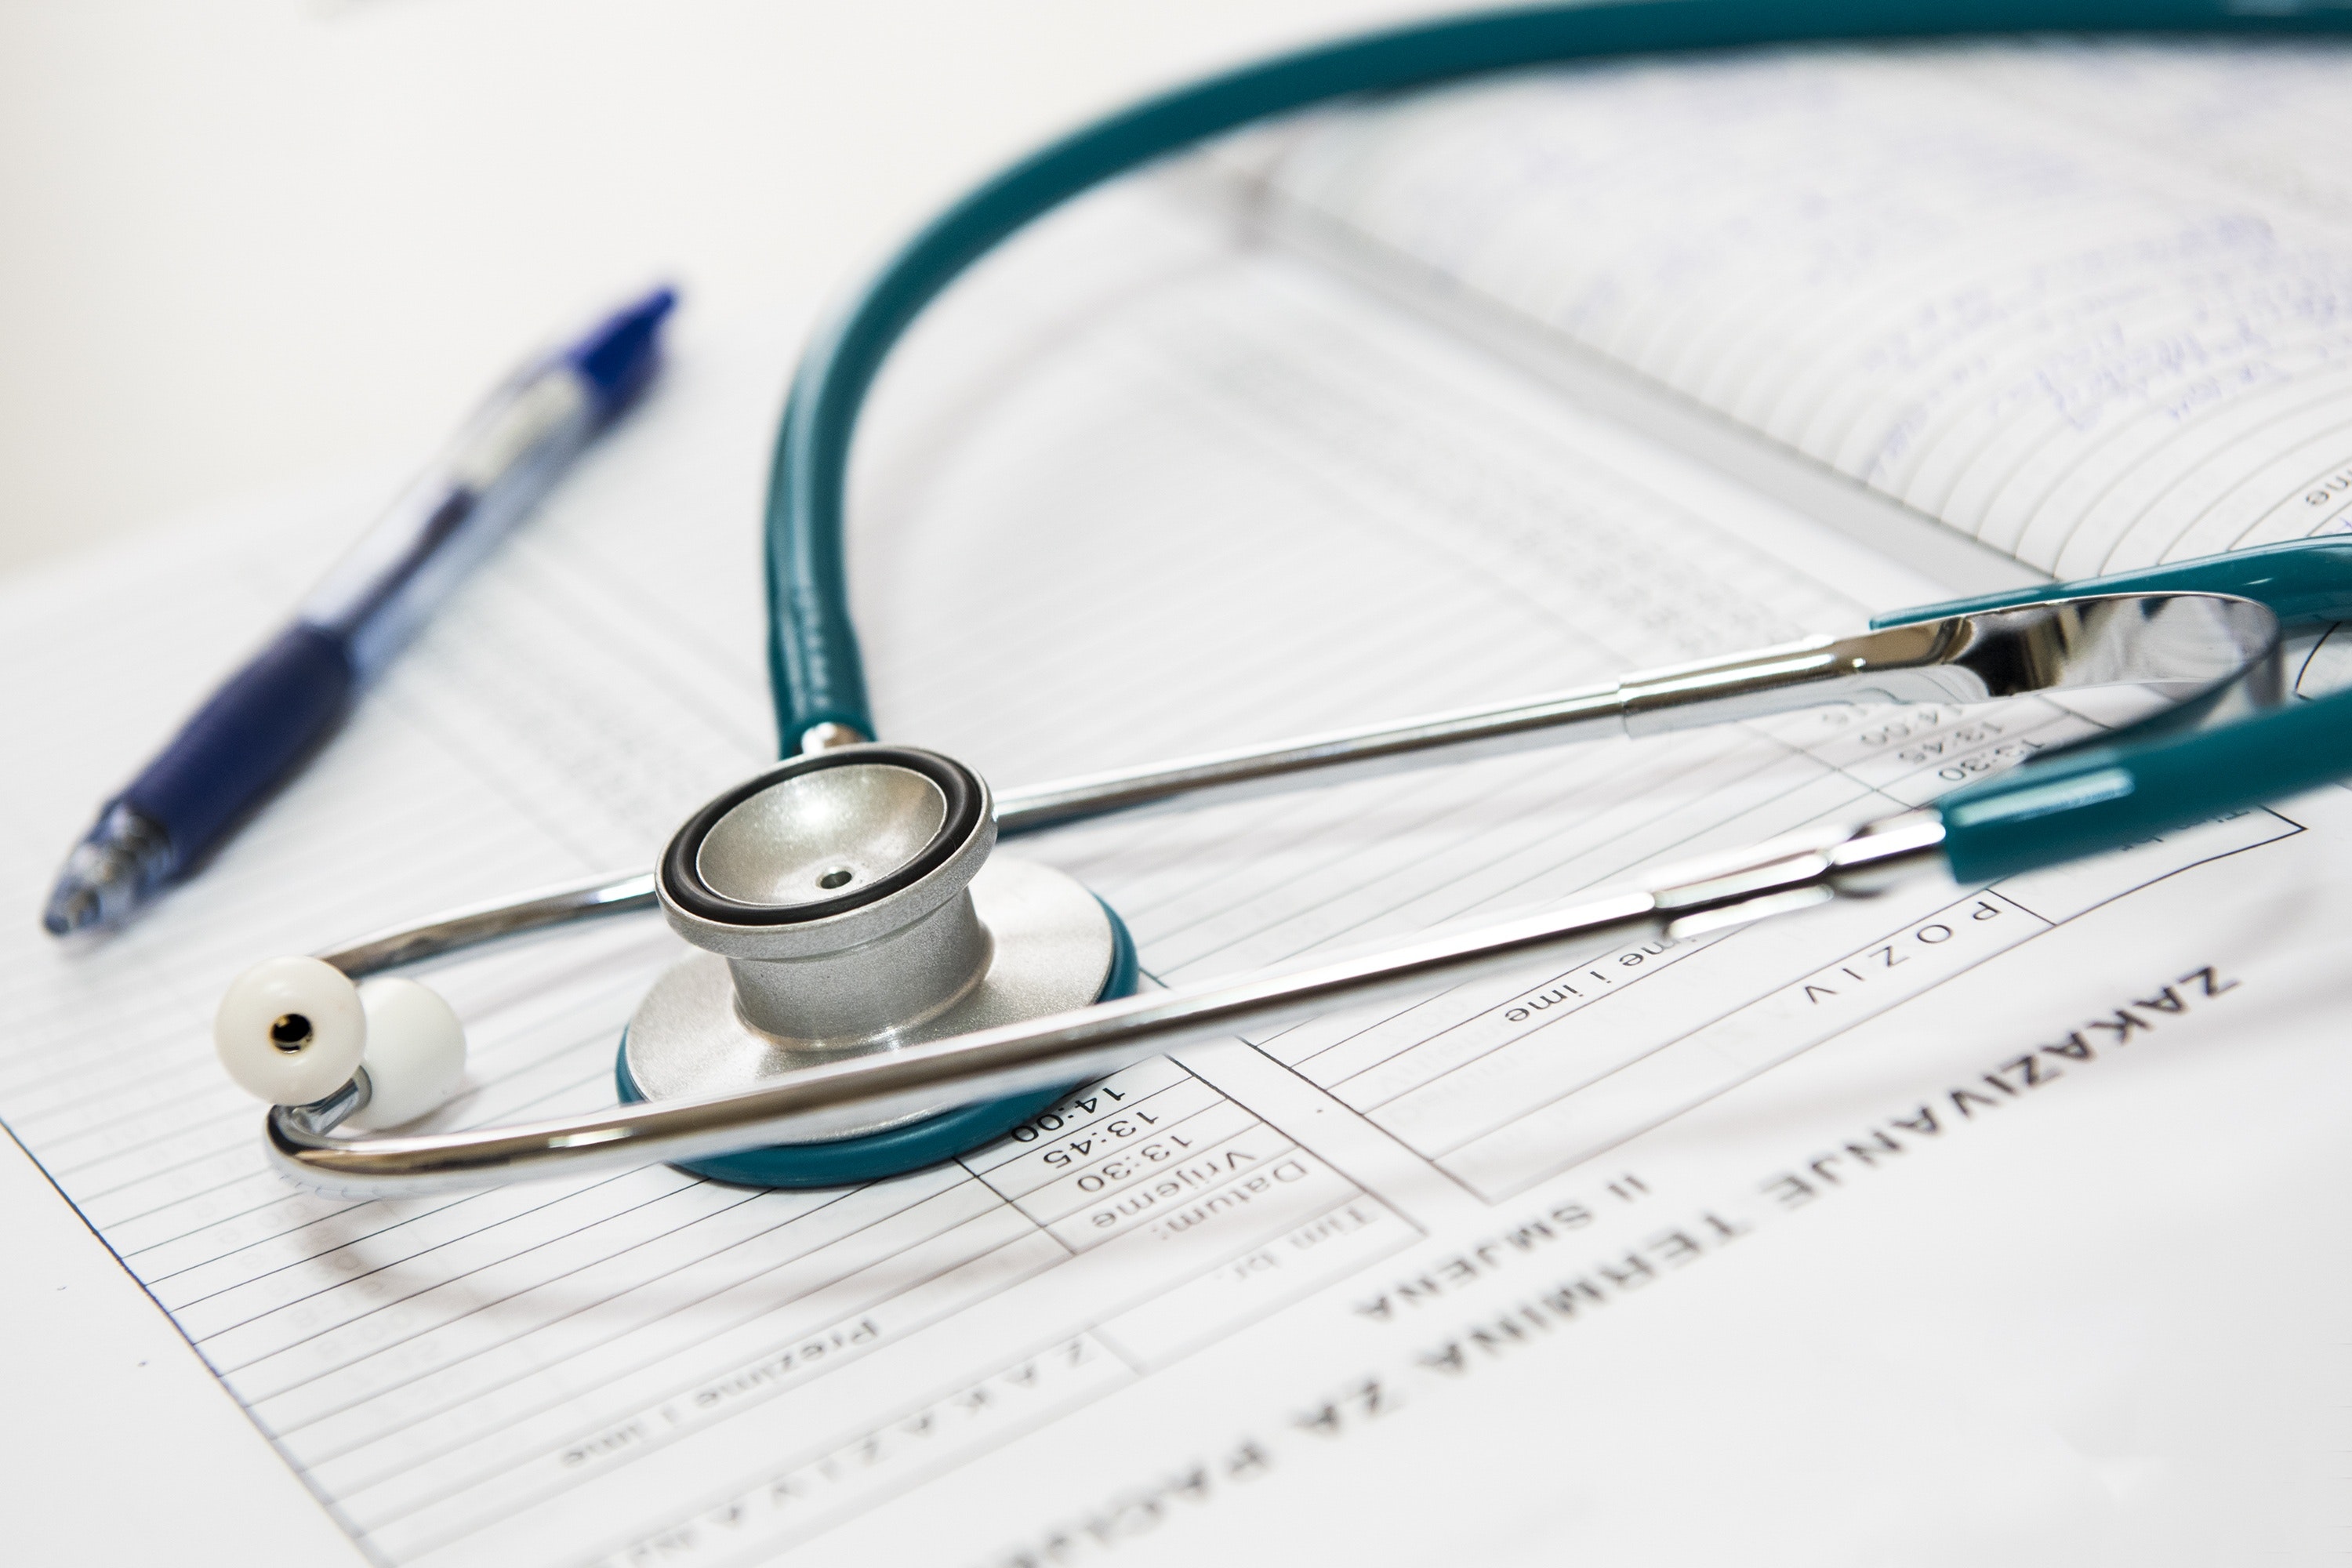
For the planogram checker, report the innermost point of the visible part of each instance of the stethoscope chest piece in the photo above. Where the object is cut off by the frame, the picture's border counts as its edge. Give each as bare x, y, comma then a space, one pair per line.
846, 904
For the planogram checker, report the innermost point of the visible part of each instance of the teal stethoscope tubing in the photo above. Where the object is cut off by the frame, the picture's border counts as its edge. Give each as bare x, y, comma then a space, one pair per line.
2065, 805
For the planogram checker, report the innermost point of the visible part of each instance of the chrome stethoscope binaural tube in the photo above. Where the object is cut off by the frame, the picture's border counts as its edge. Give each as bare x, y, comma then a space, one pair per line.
872, 989
2183, 644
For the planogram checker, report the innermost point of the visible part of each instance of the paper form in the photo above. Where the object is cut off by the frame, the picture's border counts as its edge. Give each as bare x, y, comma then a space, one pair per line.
2084, 303
1688, 1259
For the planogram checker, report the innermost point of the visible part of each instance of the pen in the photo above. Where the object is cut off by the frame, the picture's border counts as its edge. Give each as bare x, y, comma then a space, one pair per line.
268, 717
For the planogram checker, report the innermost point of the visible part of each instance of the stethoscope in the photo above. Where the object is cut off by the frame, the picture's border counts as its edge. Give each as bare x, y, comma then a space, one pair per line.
871, 991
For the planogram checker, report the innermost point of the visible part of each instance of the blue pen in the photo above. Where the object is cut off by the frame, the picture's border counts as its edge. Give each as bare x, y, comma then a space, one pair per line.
273, 713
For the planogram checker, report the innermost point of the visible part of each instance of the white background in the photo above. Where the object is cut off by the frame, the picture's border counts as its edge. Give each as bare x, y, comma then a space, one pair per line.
248, 241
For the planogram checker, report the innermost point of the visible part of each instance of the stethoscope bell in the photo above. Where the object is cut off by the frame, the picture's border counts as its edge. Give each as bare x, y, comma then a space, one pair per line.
846, 904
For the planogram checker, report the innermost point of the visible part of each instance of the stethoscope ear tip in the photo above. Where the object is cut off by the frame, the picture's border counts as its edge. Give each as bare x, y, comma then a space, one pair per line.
290, 1030
416, 1055
296, 1031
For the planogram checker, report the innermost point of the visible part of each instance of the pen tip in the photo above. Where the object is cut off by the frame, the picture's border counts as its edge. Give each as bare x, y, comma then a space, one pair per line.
71, 907
109, 872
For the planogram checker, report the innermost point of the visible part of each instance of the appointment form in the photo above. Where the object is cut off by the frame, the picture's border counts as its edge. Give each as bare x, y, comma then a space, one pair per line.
1970, 1219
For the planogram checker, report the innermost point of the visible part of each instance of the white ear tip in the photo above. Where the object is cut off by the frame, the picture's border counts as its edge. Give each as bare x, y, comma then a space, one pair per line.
415, 1052
290, 1030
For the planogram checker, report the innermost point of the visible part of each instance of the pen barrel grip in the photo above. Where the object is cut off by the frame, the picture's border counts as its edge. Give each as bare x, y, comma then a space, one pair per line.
244, 741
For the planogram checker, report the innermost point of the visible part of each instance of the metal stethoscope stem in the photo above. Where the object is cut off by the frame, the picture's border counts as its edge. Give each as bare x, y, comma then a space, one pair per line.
1789, 874
2181, 642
